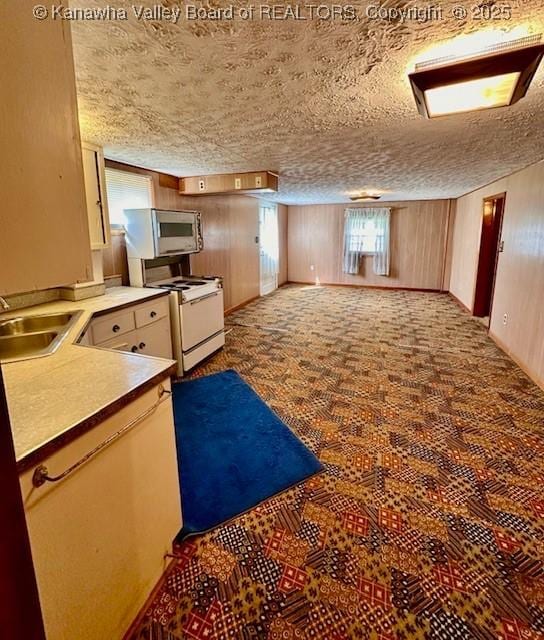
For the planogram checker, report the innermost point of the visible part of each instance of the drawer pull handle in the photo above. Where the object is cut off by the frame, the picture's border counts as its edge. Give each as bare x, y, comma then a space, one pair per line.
141, 345
153, 314
134, 348
41, 473
116, 328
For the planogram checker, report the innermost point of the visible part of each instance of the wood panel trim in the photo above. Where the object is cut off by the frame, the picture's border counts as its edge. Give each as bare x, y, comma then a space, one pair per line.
167, 181
241, 305
365, 286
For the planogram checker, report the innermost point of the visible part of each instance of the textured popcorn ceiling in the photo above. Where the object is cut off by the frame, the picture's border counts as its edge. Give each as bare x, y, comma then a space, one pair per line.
325, 103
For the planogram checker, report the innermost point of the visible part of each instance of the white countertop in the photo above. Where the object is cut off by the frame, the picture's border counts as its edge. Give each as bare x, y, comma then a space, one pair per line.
50, 395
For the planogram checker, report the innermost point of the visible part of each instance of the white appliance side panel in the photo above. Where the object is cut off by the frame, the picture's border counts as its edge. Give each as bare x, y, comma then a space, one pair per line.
139, 233
175, 326
201, 318
198, 354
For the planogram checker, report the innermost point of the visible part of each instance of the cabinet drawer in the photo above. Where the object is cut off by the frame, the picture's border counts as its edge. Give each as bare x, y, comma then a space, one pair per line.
126, 342
112, 326
151, 311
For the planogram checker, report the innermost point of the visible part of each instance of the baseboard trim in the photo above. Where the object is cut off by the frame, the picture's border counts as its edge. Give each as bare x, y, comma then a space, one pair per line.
461, 304
241, 305
530, 374
366, 286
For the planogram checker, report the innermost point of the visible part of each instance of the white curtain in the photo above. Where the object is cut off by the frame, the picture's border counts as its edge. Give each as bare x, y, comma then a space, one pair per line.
366, 232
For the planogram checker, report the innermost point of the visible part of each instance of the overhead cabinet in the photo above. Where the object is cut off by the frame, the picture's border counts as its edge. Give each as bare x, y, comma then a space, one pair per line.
44, 238
252, 182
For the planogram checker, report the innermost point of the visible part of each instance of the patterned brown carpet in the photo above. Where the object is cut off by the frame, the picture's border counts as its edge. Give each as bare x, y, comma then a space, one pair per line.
428, 521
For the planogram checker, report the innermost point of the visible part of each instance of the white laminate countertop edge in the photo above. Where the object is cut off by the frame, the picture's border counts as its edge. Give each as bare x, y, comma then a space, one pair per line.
50, 395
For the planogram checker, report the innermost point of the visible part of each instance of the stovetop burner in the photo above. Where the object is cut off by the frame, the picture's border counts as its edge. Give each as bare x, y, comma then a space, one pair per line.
173, 285
190, 282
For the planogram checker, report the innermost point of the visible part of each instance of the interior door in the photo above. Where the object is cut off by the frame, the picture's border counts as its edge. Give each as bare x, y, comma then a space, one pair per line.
269, 247
20, 614
493, 209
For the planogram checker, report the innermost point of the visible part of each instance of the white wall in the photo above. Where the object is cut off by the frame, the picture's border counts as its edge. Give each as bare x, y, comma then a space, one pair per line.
519, 285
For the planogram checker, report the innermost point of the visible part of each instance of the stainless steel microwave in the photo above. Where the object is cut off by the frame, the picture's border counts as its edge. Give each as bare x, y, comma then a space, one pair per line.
154, 233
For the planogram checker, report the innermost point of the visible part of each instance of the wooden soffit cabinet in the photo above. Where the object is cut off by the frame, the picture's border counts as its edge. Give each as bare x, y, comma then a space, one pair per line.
251, 182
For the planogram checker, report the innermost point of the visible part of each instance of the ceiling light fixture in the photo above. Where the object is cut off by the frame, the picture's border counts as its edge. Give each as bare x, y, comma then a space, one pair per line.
361, 197
497, 76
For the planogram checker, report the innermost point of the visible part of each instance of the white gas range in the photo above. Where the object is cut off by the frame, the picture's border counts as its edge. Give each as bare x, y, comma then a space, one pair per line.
196, 316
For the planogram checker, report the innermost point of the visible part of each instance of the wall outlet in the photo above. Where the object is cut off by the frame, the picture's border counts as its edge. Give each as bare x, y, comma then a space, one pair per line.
201, 185
258, 181
505, 319
237, 183
312, 267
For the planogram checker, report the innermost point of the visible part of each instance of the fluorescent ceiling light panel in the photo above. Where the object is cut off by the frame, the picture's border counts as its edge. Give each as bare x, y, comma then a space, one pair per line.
484, 93
495, 77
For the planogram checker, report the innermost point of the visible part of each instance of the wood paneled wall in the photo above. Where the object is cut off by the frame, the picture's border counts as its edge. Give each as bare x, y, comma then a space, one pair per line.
230, 227
519, 284
419, 232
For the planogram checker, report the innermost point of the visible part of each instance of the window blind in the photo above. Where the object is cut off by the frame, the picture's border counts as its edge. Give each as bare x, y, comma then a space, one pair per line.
127, 190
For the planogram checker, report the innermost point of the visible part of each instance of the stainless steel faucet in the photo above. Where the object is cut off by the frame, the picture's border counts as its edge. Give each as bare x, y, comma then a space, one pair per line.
4, 304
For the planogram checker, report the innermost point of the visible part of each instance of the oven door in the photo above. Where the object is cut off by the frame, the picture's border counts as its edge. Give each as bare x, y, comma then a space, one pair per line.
176, 232
201, 319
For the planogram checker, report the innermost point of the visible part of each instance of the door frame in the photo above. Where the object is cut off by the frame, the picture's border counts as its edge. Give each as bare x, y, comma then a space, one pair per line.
482, 284
262, 204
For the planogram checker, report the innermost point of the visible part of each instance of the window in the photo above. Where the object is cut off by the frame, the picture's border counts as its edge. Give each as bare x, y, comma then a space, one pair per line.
366, 232
363, 236
127, 190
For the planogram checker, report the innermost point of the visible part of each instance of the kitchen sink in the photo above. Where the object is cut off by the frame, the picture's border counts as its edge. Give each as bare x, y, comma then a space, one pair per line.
22, 346
31, 324
26, 337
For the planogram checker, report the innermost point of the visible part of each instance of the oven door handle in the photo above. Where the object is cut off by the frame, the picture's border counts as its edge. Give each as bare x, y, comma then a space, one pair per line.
209, 295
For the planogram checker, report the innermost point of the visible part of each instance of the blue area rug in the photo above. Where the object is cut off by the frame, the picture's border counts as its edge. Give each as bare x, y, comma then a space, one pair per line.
233, 451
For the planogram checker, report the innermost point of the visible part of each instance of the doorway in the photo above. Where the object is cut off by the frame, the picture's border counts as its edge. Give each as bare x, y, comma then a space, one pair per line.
490, 247
268, 247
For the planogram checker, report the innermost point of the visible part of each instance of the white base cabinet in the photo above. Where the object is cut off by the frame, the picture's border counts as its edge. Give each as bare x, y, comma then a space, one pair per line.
142, 328
99, 537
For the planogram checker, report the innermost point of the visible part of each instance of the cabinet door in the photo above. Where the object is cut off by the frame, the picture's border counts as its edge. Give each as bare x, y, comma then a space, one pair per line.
95, 193
99, 536
201, 318
44, 235
154, 339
